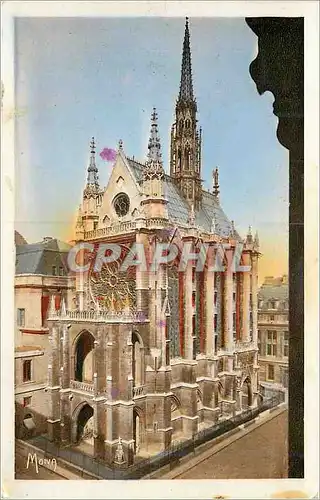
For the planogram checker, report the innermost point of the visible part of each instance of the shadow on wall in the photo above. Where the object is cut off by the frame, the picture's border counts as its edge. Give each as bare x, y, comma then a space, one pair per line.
29, 423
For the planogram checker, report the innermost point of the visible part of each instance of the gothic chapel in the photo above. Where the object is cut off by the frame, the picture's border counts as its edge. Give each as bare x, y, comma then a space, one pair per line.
141, 359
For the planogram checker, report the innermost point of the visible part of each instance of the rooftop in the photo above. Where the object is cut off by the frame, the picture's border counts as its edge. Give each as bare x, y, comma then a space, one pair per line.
40, 258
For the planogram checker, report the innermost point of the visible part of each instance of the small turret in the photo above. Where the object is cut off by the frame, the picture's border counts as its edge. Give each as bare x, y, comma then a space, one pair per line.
153, 175
249, 239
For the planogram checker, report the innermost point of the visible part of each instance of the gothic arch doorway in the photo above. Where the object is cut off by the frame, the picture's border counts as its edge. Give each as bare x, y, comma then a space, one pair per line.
246, 393
138, 428
84, 357
84, 424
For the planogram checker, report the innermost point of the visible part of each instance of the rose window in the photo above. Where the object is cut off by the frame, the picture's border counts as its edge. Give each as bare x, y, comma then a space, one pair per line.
121, 204
112, 288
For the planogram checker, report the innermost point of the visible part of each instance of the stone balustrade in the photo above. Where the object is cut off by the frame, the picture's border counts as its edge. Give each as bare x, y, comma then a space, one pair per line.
238, 346
98, 316
82, 386
138, 391
123, 227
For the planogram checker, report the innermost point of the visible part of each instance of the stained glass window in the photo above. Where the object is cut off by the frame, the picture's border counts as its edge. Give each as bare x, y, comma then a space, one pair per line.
174, 311
121, 204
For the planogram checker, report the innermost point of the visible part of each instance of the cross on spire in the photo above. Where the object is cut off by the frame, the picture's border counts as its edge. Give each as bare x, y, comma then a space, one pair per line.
186, 86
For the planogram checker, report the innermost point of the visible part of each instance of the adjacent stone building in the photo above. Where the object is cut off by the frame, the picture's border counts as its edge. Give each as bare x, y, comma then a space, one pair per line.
146, 356
41, 273
273, 333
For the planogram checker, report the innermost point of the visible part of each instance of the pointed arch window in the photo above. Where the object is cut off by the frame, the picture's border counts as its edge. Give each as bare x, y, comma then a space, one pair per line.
179, 159
188, 123
187, 157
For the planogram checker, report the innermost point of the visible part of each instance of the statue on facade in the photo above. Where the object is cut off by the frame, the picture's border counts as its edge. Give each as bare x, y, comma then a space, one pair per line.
119, 456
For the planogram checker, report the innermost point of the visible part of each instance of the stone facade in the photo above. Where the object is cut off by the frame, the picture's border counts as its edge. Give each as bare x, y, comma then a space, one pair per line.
35, 283
273, 332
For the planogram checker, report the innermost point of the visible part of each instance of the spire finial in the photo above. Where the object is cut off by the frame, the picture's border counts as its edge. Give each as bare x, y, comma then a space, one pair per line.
215, 175
192, 215
120, 145
256, 241
92, 146
186, 87
249, 235
232, 232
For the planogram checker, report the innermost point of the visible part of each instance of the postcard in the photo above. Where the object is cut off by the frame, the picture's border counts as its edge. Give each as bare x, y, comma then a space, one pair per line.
160, 238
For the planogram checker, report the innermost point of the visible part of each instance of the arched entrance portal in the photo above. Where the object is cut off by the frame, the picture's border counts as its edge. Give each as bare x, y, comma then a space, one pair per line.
246, 393
85, 424
84, 357
138, 426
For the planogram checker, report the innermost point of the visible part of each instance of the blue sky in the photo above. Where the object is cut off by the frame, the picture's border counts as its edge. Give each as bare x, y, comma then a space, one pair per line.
83, 77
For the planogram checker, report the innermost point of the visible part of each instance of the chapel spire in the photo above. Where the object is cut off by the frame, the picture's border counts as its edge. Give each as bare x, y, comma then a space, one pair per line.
186, 138
186, 86
154, 145
92, 177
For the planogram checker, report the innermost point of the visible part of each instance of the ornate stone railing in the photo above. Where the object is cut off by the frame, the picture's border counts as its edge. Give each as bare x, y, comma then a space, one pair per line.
81, 386
237, 347
157, 222
98, 316
138, 391
245, 346
123, 227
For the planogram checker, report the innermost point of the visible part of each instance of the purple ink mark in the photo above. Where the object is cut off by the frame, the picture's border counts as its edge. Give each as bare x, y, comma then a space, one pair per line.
162, 322
114, 392
141, 316
108, 154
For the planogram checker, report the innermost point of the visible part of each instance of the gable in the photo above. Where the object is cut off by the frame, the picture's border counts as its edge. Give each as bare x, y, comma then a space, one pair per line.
121, 181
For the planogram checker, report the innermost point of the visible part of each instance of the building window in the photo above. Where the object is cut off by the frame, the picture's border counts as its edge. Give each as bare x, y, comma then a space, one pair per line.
271, 317
27, 370
27, 401
21, 314
121, 204
193, 299
215, 298
54, 271
61, 271
215, 322
259, 346
272, 343
270, 372
286, 344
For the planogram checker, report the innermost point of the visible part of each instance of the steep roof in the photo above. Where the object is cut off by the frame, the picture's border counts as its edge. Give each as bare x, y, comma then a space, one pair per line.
19, 239
274, 292
179, 208
40, 258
